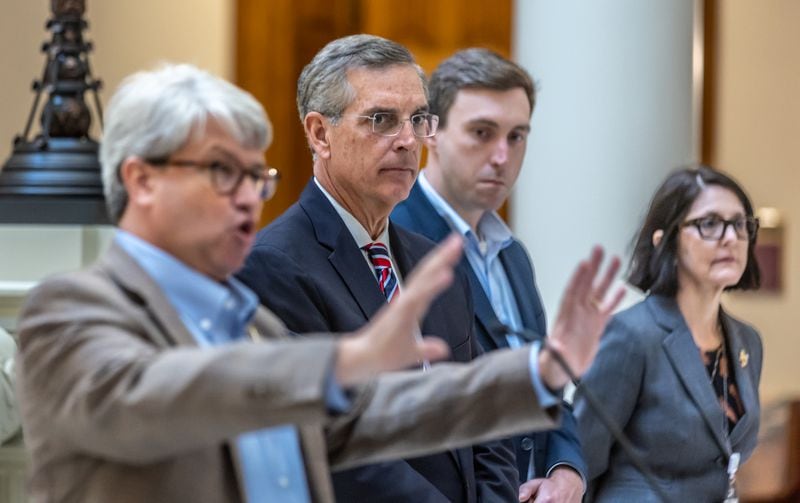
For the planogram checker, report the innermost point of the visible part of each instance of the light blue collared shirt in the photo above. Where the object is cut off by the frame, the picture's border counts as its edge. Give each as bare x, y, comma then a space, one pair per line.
483, 253
483, 257
218, 313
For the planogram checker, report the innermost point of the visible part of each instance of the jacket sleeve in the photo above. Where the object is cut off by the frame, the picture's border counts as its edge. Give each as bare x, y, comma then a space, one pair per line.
91, 378
496, 475
405, 414
615, 379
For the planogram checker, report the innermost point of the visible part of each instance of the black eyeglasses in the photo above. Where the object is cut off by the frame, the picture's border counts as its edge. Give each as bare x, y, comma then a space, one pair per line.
713, 227
226, 178
423, 124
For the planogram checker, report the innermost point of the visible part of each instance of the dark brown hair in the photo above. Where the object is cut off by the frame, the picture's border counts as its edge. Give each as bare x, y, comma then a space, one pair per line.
654, 268
475, 68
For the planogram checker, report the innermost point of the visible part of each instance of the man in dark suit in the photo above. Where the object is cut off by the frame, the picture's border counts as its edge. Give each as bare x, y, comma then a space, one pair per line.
332, 260
153, 375
485, 102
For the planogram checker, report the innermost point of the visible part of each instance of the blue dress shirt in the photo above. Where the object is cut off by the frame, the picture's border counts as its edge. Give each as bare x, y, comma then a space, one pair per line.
218, 313
482, 252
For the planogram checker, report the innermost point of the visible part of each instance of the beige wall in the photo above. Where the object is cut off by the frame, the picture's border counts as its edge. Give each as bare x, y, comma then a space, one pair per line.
128, 36
758, 118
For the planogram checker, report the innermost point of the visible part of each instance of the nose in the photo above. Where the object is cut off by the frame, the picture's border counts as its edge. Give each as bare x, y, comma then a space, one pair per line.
247, 195
499, 153
405, 138
728, 233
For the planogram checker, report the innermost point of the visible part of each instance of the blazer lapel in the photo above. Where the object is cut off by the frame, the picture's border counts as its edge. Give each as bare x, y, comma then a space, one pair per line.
430, 223
484, 312
520, 277
127, 273
345, 257
684, 356
744, 383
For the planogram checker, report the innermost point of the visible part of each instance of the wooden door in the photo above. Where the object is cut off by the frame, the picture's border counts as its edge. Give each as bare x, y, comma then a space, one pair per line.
276, 38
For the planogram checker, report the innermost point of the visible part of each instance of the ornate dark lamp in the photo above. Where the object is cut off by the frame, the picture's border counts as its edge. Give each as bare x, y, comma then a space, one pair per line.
54, 177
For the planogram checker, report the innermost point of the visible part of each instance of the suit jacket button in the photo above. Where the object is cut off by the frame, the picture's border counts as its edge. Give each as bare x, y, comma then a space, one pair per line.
527, 444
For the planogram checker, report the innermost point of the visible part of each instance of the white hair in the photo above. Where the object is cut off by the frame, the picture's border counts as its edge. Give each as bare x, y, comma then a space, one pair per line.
153, 113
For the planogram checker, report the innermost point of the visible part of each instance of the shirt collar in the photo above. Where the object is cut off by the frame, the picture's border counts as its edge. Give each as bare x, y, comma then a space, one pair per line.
199, 299
357, 230
495, 233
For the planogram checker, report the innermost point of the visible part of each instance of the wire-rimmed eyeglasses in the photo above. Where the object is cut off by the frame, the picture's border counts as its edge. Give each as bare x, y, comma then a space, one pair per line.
226, 178
713, 227
423, 124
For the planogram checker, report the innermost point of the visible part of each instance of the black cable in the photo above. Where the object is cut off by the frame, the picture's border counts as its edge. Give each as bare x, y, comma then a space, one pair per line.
594, 404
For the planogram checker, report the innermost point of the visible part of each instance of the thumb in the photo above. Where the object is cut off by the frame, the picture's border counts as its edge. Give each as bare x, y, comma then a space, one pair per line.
529, 488
433, 349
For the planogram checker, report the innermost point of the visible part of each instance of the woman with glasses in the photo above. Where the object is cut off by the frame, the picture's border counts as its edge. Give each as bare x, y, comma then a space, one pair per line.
677, 374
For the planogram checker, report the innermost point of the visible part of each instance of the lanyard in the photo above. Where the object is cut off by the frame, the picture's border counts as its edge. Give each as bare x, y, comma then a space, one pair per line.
733, 467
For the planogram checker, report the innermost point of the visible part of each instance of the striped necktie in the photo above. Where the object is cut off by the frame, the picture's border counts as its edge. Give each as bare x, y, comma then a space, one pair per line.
387, 280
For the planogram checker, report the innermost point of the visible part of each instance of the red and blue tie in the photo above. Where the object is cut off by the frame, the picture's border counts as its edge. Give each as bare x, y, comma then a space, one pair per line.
387, 280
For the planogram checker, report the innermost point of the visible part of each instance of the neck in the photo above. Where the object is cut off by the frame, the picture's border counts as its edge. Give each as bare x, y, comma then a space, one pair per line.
471, 216
371, 216
700, 309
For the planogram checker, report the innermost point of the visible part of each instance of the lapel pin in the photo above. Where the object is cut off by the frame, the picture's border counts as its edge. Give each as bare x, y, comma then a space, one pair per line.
743, 358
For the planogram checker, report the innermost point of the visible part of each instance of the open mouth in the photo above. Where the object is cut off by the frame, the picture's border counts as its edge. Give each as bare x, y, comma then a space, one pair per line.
247, 227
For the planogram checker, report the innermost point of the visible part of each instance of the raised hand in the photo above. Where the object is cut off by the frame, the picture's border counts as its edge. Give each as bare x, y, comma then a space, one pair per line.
389, 341
585, 309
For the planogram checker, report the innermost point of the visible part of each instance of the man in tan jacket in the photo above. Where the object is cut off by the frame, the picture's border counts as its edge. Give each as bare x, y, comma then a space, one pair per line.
155, 376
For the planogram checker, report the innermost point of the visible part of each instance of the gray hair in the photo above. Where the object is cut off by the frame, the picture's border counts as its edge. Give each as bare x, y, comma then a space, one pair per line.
153, 113
323, 86
475, 68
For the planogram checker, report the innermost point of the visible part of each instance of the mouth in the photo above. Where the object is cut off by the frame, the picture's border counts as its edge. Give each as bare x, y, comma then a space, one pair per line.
246, 229
398, 169
724, 260
491, 181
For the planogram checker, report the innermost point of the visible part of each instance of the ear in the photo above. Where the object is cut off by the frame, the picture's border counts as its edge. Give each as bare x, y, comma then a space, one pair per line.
316, 127
137, 177
658, 234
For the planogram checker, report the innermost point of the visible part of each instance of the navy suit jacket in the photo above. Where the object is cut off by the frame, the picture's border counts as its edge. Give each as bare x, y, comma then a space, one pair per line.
551, 447
307, 268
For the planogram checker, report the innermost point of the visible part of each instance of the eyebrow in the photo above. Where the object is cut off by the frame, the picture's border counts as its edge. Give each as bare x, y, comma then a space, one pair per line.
378, 109
480, 121
715, 214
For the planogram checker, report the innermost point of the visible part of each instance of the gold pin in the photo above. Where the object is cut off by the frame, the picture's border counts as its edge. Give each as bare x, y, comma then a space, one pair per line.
743, 358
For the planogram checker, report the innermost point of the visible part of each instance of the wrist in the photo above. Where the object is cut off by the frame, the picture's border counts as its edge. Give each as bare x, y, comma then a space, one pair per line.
551, 373
353, 363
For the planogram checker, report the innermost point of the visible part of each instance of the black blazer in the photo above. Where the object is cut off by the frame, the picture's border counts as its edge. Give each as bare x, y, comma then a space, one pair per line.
307, 269
551, 447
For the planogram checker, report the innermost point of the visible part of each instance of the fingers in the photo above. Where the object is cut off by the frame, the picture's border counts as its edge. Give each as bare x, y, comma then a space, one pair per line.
433, 349
529, 488
612, 305
434, 272
607, 279
579, 290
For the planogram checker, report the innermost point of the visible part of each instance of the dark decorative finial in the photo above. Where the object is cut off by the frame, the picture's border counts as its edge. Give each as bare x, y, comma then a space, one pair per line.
54, 177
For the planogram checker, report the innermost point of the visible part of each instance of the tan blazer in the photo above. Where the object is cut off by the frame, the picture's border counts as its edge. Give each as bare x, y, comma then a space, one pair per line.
118, 405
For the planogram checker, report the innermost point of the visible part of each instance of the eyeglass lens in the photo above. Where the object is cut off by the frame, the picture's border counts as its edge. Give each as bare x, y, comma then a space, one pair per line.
389, 124
713, 227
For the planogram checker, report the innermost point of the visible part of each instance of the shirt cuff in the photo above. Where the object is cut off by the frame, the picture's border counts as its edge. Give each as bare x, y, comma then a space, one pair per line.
546, 397
337, 400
